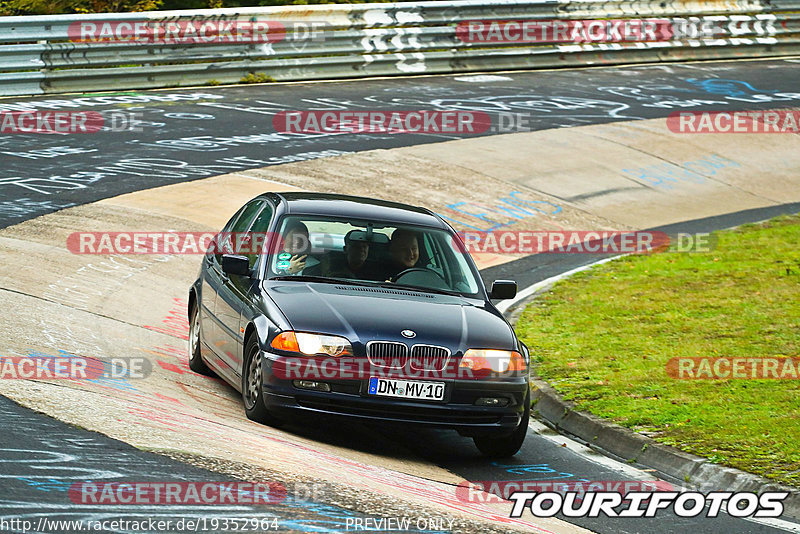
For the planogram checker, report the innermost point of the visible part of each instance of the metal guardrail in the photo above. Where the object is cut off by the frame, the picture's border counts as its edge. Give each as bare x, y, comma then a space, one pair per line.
50, 54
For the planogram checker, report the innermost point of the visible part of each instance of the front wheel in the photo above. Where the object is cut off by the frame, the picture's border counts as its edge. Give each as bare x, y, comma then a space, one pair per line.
252, 379
506, 445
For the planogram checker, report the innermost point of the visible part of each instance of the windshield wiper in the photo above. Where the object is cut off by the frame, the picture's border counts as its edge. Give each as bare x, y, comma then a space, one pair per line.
390, 285
323, 279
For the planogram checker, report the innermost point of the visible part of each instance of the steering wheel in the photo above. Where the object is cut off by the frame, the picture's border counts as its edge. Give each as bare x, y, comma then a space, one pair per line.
424, 277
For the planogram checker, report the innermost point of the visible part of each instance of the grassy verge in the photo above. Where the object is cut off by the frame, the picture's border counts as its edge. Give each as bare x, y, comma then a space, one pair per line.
603, 338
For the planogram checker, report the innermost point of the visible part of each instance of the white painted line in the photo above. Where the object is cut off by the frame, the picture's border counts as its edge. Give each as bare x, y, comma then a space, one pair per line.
482, 78
240, 175
530, 290
588, 454
780, 524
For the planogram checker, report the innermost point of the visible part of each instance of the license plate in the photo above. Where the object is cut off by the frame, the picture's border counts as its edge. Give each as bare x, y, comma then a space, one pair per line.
406, 389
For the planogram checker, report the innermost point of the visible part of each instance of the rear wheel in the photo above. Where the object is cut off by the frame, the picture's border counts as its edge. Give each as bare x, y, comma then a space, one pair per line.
196, 362
506, 445
252, 378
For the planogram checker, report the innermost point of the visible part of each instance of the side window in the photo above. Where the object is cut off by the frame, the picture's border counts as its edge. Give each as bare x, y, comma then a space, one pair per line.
456, 266
215, 245
226, 244
433, 250
258, 234
425, 251
243, 222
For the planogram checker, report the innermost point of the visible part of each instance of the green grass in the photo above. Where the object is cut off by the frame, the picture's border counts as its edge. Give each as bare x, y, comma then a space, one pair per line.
603, 337
257, 77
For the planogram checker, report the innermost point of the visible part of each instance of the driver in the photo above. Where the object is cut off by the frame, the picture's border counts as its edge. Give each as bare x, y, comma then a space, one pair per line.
404, 251
294, 259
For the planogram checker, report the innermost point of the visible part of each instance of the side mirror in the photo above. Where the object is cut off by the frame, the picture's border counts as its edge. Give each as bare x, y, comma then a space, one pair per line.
503, 289
233, 264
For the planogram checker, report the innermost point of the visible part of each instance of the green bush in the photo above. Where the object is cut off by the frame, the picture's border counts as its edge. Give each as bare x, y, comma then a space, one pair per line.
53, 7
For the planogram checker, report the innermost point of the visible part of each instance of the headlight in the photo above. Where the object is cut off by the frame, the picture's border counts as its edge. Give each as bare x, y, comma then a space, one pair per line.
312, 344
499, 361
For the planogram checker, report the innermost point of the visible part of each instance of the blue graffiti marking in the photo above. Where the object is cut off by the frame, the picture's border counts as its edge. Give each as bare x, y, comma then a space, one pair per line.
722, 86
534, 468
510, 207
665, 175
51, 484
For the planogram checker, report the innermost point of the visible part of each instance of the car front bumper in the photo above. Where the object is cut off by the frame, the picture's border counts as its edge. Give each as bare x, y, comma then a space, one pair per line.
350, 398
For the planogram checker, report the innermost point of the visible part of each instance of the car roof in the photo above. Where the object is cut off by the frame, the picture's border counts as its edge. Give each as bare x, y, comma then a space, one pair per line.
354, 207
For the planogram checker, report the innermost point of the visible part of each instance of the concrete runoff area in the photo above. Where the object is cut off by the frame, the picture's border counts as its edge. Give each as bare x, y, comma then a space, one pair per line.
135, 305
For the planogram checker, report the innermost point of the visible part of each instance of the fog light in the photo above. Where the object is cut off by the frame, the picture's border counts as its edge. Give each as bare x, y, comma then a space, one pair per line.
310, 384
491, 401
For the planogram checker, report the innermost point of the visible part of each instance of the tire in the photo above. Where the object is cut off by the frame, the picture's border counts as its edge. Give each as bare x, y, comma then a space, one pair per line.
252, 380
196, 362
506, 445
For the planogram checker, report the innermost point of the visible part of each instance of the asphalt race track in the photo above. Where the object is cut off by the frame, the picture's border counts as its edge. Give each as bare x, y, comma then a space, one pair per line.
210, 131
41, 457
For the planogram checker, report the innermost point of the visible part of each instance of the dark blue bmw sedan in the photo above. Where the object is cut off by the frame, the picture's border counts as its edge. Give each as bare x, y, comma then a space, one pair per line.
363, 308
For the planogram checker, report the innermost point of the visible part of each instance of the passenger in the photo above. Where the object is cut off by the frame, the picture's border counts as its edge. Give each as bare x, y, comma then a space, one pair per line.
354, 264
404, 251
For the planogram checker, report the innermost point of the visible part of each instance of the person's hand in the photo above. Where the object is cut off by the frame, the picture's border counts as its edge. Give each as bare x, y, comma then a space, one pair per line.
297, 264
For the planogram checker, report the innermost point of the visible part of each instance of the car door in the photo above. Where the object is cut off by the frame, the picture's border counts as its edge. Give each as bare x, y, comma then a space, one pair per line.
232, 292
211, 283
248, 288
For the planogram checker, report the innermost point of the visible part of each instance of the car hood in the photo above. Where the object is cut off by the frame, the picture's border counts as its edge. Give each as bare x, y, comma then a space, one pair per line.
364, 314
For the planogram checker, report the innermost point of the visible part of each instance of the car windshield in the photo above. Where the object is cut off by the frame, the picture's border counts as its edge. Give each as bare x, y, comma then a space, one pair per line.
373, 253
